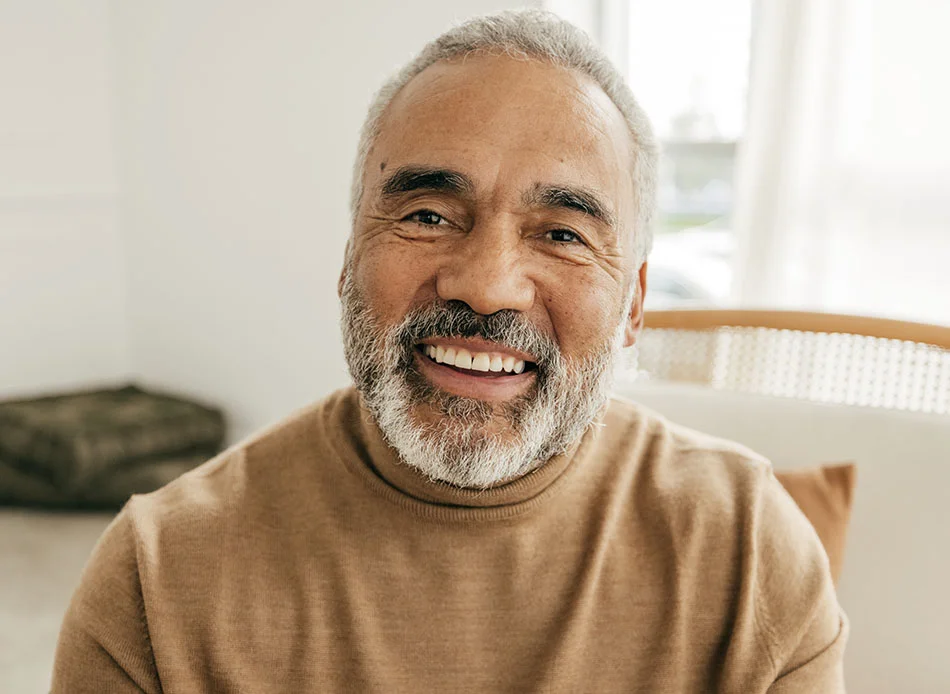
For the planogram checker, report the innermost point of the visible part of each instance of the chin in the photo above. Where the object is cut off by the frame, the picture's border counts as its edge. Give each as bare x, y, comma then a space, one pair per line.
465, 417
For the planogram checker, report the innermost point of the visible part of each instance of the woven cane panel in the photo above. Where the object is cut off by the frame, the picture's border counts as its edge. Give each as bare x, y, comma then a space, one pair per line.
820, 367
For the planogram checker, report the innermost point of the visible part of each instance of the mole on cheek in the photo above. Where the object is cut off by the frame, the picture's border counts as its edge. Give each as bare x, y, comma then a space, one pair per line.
382, 166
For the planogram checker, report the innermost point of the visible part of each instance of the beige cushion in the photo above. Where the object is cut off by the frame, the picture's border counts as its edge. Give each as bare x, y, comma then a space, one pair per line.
824, 495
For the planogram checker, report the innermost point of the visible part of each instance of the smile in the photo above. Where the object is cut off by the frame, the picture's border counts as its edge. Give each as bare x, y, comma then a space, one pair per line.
471, 368
463, 359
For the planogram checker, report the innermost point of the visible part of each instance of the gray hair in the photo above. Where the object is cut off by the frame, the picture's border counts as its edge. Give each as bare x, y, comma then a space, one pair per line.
540, 35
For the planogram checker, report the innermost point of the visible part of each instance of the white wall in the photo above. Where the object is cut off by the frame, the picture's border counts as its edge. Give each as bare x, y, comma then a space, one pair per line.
237, 128
211, 269
61, 266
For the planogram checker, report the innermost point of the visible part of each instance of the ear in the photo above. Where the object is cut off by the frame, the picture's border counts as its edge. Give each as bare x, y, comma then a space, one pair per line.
344, 269
635, 319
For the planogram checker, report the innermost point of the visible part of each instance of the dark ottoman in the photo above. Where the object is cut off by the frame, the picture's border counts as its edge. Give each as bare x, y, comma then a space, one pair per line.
96, 448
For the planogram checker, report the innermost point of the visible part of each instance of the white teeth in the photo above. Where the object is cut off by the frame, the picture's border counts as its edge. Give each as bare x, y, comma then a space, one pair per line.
449, 356
480, 361
463, 359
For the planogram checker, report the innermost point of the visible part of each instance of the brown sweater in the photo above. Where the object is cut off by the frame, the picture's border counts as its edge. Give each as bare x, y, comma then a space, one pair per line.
650, 558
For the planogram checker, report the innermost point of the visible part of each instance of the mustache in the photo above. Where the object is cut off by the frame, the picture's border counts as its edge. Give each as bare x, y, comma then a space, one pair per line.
455, 319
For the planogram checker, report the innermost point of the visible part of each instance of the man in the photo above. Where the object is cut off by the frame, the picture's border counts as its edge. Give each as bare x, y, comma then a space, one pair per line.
476, 515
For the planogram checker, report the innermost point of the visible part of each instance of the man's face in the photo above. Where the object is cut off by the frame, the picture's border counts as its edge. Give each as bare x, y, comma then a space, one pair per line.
496, 226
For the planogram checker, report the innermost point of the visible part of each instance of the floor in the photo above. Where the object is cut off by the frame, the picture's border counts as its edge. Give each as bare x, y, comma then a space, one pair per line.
41, 557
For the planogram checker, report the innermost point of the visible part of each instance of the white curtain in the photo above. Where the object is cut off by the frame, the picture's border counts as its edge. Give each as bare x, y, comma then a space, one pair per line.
843, 180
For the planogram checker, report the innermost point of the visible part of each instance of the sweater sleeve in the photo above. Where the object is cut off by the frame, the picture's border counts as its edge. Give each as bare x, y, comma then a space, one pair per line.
821, 673
103, 642
804, 627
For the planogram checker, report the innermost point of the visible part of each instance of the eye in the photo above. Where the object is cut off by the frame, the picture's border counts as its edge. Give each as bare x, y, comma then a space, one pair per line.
564, 236
426, 217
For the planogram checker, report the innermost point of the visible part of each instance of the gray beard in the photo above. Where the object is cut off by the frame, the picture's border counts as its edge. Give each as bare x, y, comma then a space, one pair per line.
461, 450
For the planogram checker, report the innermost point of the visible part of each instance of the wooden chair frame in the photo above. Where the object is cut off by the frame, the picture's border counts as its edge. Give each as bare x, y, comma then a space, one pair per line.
711, 319
858, 360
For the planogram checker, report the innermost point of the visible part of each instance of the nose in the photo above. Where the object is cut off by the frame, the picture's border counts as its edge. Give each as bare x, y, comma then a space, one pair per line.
486, 271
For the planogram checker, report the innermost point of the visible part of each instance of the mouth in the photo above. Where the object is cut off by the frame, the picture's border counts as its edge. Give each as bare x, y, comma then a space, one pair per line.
474, 369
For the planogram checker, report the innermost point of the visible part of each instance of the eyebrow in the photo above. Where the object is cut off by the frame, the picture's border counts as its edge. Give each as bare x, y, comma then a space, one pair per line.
572, 198
409, 179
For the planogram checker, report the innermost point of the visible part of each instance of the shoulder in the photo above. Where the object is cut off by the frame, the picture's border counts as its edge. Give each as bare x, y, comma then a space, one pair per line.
695, 496
629, 418
243, 481
677, 463
719, 503
708, 478
104, 640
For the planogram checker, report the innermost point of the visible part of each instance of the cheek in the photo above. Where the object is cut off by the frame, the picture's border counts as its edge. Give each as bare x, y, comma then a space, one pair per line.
392, 280
584, 315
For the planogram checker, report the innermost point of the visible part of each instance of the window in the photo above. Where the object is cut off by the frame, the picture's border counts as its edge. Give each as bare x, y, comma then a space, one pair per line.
843, 155
687, 62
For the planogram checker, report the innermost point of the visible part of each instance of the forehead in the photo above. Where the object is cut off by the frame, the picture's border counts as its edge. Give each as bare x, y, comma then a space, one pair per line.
507, 123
